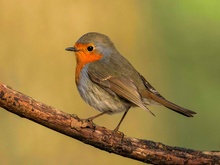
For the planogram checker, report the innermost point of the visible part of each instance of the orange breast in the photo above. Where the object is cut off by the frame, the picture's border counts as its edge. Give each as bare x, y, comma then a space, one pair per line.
84, 57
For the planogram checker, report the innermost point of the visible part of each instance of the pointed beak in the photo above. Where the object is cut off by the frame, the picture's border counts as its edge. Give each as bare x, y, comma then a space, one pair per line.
71, 49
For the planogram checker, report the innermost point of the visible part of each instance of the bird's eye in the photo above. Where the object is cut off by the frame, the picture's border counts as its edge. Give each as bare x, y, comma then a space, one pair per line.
90, 48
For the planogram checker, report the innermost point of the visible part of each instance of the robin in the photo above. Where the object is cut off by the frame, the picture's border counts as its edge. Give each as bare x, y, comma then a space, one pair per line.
109, 83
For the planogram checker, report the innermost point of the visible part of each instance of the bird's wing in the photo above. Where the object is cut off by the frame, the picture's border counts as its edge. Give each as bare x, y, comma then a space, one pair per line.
119, 85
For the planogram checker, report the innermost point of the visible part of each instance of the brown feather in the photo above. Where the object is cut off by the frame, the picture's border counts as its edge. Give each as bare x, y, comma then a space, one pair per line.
152, 94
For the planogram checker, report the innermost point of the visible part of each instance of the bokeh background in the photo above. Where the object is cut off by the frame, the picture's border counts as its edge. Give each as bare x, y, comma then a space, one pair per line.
174, 44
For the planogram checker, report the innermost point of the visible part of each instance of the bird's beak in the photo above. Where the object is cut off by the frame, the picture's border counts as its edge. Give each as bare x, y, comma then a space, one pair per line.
71, 49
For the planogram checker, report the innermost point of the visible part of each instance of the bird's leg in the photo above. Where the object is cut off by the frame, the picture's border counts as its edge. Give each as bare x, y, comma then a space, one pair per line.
90, 119
116, 129
94, 117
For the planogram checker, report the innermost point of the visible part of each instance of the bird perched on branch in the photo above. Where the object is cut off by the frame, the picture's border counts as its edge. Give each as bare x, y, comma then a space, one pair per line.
108, 82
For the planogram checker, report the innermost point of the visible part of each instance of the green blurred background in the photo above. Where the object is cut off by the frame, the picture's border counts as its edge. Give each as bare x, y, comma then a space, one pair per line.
174, 44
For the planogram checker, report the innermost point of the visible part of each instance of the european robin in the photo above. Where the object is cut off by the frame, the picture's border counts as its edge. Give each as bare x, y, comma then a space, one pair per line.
108, 82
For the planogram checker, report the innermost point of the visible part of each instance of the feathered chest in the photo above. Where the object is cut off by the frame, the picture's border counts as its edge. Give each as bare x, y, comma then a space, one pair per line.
97, 97
83, 58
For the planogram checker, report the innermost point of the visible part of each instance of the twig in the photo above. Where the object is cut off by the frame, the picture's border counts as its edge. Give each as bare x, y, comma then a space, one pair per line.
100, 137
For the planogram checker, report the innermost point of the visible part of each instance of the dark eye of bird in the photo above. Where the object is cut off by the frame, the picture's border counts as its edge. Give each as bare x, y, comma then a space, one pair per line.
90, 48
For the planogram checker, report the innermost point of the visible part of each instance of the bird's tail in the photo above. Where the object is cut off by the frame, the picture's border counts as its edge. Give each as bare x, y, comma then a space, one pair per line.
152, 95
176, 108
158, 99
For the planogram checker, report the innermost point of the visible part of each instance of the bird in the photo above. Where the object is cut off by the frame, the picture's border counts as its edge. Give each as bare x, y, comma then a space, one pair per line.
109, 83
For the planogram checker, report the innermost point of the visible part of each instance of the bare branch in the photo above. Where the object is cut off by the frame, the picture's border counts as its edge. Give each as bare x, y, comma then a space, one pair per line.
100, 137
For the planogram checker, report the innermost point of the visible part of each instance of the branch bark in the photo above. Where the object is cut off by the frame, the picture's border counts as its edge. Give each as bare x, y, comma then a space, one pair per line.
100, 137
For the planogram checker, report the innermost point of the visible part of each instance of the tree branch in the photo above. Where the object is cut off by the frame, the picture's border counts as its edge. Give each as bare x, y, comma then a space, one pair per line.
100, 137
